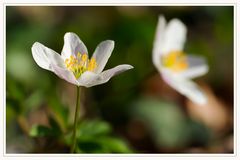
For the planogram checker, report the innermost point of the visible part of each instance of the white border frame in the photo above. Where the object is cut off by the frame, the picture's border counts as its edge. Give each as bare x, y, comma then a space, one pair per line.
234, 155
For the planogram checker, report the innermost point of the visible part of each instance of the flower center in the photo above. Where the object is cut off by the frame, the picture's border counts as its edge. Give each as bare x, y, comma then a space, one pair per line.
79, 64
175, 61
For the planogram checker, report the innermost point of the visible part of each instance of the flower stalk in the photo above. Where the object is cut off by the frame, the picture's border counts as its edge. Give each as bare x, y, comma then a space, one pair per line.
74, 140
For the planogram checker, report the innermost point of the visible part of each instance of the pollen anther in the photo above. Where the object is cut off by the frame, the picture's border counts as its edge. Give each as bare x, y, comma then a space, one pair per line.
175, 61
80, 63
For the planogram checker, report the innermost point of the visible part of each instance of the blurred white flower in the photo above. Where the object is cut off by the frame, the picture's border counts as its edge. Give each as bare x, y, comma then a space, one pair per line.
177, 68
74, 66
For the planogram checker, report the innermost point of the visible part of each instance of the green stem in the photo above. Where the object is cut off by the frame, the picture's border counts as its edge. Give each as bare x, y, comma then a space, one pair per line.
74, 140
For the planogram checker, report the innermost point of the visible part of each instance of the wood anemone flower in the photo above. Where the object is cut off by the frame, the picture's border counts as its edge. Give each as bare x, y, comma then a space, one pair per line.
177, 68
74, 66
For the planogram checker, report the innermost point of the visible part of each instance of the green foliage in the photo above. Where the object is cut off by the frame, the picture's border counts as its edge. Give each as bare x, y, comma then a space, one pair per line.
43, 131
40, 131
59, 112
95, 137
165, 120
92, 137
93, 128
167, 123
102, 144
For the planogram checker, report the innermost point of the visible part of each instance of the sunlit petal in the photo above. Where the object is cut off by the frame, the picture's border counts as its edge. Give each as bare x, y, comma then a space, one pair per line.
72, 46
174, 37
102, 54
44, 56
159, 41
65, 74
89, 79
108, 74
197, 67
186, 87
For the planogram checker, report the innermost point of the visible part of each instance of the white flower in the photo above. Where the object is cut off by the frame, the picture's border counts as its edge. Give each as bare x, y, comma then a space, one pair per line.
176, 68
73, 64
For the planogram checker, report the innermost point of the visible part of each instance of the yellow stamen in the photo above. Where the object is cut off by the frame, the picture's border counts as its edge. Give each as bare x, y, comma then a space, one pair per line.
79, 64
175, 60
71, 57
84, 57
79, 55
92, 64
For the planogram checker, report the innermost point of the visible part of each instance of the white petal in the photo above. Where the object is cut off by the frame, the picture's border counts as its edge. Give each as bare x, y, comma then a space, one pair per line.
108, 74
102, 54
197, 67
64, 74
89, 79
159, 41
186, 87
44, 56
72, 45
175, 36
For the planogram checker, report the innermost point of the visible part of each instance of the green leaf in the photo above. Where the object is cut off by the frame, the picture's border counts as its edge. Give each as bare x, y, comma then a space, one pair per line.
165, 121
43, 131
59, 112
10, 114
93, 128
34, 100
102, 144
15, 90
40, 131
89, 131
114, 145
95, 137
55, 126
90, 146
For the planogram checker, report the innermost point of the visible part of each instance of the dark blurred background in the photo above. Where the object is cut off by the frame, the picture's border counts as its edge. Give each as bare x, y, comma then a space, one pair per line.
150, 116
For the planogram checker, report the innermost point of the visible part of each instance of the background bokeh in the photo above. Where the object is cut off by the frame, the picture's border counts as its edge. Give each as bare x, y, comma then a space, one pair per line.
141, 110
